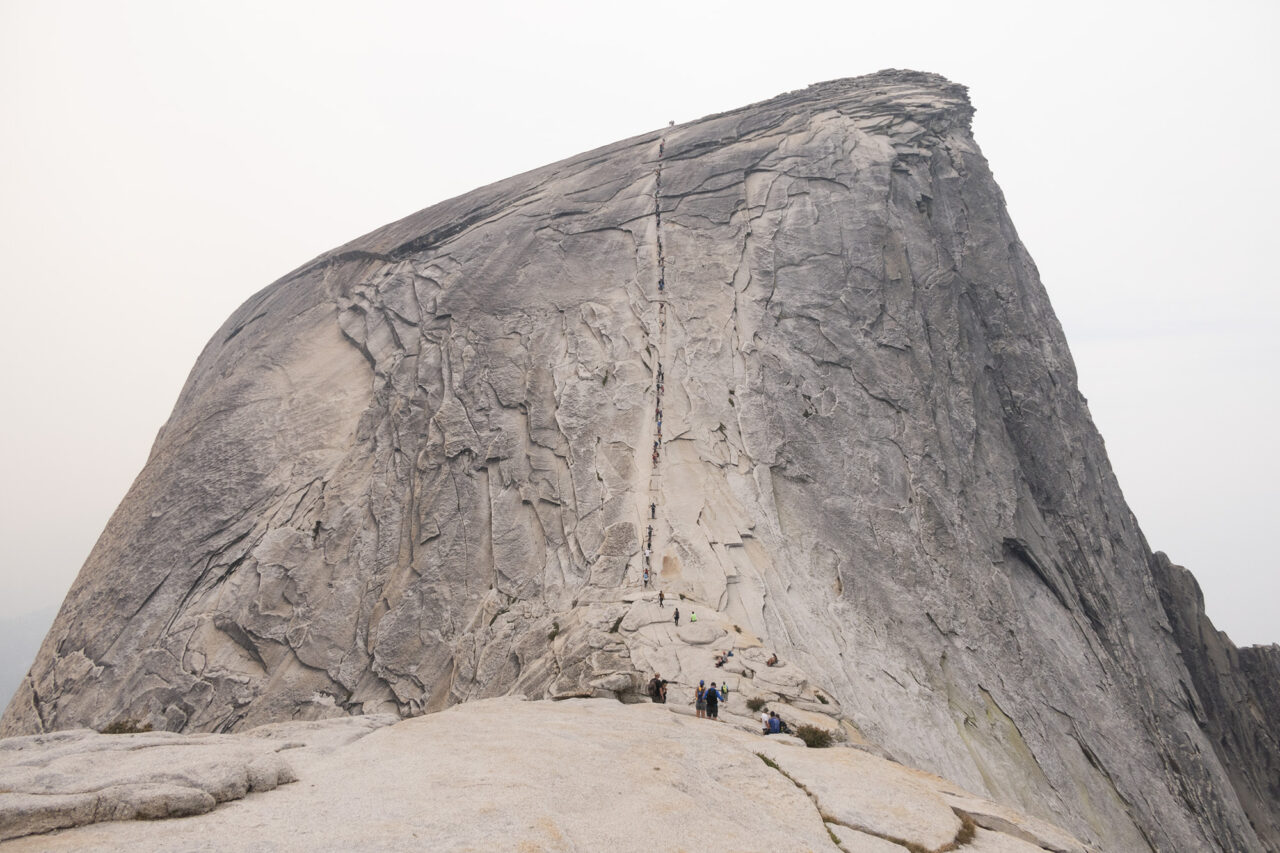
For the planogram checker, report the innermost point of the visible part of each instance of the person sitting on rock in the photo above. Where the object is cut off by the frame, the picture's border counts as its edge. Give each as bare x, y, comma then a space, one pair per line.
693, 617
720, 659
773, 660
775, 724
764, 721
711, 698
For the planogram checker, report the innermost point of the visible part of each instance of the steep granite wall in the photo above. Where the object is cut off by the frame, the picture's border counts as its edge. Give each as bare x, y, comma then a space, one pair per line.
1234, 693
796, 351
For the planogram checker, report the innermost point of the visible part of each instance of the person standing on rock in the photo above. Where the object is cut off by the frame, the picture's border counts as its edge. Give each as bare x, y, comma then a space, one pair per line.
700, 700
677, 617
712, 700
764, 721
661, 598
653, 507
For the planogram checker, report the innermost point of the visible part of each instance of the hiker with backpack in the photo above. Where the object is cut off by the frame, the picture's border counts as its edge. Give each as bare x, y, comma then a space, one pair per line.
712, 700
700, 701
658, 689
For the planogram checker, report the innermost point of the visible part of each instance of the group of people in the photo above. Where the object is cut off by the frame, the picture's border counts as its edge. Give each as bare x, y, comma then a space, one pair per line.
693, 617
657, 415
706, 704
648, 553
772, 724
657, 217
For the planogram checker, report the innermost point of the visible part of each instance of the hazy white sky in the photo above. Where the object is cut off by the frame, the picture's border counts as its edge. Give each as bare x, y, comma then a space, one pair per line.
161, 161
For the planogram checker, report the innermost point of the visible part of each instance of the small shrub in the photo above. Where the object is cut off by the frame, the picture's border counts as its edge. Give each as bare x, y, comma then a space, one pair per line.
813, 736
126, 726
755, 704
769, 761
682, 596
834, 838
616, 623
555, 629
967, 830
736, 628
821, 698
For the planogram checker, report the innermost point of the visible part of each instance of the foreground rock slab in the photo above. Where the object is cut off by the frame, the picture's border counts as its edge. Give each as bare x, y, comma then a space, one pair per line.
81, 777
506, 774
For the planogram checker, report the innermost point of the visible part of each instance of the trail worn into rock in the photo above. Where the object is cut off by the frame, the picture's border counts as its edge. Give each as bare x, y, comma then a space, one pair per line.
421, 470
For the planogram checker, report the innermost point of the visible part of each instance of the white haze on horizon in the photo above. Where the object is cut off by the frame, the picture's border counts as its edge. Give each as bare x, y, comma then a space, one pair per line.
160, 162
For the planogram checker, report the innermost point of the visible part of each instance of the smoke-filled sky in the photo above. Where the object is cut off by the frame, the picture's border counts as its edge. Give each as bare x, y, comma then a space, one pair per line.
162, 161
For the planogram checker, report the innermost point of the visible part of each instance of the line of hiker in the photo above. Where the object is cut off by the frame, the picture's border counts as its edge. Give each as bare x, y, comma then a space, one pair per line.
648, 570
657, 216
657, 416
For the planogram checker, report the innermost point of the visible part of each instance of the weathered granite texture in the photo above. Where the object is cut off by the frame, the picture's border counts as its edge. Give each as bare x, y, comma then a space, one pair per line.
422, 469
1234, 694
504, 774
77, 777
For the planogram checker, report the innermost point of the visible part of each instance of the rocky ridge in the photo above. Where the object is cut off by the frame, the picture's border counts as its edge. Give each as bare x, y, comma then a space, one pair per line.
495, 774
791, 359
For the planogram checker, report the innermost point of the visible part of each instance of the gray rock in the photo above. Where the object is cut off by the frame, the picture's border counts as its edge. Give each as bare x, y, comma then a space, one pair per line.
506, 774
416, 471
1234, 694
79, 777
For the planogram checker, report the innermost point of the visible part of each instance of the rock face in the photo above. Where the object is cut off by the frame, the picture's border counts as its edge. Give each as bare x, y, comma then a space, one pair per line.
1234, 693
796, 351
504, 774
